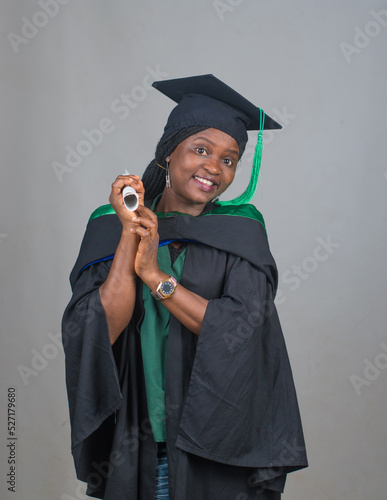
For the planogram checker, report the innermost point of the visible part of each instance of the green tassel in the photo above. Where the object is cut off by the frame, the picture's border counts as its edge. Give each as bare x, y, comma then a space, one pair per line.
251, 188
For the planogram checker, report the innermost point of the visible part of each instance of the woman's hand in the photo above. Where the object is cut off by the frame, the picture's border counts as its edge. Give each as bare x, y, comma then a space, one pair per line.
140, 224
145, 263
118, 292
117, 202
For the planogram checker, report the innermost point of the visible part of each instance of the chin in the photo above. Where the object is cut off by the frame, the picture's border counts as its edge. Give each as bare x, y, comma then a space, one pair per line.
205, 198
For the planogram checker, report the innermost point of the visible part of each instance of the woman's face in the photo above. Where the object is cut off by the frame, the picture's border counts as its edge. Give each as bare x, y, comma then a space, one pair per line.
202, 167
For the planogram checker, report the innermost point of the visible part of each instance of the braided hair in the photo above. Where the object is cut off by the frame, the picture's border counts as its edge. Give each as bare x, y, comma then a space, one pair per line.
154, 176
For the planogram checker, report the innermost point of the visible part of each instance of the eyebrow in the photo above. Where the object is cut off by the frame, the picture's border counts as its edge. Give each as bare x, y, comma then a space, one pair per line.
213, 144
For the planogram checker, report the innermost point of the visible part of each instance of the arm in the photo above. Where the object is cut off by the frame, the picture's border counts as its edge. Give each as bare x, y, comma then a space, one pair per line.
118, 293
241, 406
187, 307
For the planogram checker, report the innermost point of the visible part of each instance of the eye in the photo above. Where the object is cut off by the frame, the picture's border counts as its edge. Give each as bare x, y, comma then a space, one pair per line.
201, 151
228, 162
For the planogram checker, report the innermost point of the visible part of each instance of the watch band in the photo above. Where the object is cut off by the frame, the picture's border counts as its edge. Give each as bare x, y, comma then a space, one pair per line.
161, 294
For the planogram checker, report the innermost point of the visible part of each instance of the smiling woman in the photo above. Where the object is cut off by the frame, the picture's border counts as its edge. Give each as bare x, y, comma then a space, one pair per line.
177, 372
201, 168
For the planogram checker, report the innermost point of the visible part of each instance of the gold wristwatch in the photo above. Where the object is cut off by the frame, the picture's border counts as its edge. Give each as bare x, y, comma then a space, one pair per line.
165, 288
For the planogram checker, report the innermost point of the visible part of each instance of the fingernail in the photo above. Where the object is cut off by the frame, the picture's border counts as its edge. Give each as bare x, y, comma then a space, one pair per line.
134, 218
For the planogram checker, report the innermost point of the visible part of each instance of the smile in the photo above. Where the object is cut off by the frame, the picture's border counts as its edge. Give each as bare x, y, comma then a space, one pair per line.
204, 181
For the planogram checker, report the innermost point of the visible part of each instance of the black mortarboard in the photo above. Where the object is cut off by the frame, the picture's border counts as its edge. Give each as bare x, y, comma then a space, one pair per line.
205, 100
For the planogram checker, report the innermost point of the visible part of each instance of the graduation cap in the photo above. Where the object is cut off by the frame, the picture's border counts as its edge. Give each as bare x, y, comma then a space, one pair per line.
207, 101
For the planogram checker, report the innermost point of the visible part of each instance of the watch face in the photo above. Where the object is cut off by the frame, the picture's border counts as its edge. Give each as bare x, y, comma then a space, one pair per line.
166, 288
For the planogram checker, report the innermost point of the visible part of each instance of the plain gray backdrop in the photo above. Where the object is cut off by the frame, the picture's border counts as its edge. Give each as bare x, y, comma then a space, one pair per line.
317, 67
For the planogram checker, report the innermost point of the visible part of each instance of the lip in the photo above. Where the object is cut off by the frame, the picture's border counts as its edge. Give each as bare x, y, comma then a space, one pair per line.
205, 187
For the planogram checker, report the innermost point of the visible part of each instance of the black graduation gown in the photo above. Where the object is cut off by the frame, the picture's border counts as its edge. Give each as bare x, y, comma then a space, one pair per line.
233, 424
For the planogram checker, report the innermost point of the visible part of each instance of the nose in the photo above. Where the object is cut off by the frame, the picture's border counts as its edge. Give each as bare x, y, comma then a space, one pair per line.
213, 166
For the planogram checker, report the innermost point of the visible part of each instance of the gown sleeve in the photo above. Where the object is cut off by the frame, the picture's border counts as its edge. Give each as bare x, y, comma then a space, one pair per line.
104, 385
241, 407
92, 379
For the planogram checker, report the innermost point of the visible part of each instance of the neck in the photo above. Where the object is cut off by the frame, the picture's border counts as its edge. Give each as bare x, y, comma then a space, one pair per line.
170, 203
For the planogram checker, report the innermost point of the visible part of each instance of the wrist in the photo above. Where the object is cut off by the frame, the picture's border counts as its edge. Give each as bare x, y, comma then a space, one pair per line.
127, 227
153, 279
165, 289
129, 237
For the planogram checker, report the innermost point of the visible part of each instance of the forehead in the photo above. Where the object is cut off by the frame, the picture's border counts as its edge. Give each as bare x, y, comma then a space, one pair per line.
216, 137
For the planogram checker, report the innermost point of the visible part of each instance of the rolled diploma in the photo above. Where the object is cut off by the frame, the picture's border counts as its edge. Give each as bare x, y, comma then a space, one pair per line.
130, 198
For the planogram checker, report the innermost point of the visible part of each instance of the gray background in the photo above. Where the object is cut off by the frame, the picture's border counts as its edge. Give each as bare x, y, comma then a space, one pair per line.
324, 178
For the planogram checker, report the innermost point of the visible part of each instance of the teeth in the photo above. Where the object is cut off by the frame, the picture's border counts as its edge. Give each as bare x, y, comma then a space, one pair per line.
204, 181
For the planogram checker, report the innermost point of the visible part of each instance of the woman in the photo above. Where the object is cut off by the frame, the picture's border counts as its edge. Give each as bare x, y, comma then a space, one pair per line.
178, 379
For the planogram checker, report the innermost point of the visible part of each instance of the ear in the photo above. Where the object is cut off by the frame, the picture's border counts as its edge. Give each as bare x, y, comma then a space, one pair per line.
168, 159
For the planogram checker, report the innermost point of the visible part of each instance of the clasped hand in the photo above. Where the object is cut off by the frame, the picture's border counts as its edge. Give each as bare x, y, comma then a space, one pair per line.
141, 224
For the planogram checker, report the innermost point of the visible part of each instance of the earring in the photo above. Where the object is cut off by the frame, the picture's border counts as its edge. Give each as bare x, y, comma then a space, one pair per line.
167, 178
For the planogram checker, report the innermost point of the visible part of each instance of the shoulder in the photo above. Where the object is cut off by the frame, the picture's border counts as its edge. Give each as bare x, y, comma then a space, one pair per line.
103, 222
102, 210
240, 230
243, 212
100, 241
